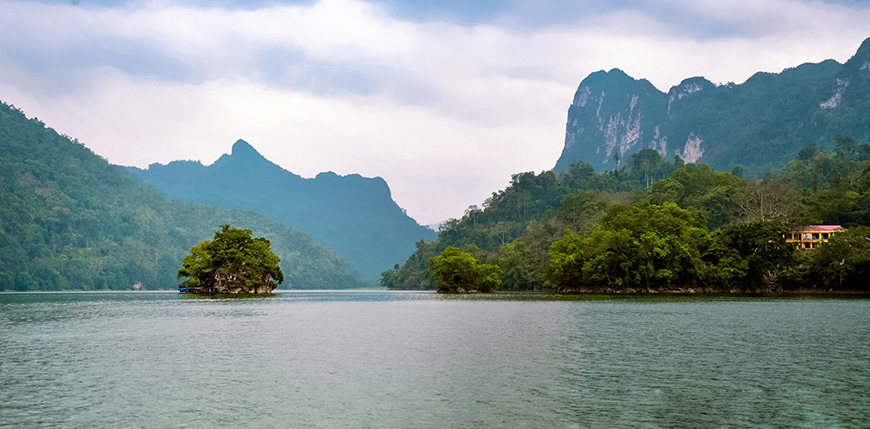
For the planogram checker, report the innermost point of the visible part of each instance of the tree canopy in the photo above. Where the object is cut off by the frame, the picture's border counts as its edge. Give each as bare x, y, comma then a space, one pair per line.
642, 246
634, 228
456, 272
232, 262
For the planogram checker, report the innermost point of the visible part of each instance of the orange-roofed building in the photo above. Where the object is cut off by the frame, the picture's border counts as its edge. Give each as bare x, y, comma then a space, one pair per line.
810, 237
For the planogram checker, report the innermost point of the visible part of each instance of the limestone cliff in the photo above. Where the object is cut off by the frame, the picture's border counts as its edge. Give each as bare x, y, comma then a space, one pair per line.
761, 123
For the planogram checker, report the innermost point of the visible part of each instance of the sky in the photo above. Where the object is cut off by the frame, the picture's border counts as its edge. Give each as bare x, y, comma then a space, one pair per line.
444, 99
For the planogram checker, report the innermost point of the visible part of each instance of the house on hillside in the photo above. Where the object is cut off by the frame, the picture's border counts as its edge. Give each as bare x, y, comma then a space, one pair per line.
810, 237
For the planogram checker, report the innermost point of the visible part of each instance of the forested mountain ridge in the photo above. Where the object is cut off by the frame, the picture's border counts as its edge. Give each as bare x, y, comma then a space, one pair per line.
351, 214
760, 124
71, 220
657, 226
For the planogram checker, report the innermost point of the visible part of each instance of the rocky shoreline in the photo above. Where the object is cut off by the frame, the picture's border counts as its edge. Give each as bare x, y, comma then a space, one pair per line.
705, 290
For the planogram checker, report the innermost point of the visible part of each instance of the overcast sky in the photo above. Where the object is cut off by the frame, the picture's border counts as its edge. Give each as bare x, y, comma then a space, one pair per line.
444, 99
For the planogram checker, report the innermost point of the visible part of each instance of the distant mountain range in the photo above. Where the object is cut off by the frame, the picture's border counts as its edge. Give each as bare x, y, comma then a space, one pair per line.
760, 124
351, 214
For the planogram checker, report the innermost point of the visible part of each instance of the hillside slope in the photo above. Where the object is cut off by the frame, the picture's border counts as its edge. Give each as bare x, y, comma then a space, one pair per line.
71, 220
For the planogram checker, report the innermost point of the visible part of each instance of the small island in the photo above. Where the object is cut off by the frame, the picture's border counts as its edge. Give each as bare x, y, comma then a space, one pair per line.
232, 263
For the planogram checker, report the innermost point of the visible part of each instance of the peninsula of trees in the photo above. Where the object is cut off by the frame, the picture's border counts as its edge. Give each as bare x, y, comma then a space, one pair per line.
654, 225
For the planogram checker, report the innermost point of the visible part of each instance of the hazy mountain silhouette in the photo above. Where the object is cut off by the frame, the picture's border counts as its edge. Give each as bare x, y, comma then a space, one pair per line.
352, 214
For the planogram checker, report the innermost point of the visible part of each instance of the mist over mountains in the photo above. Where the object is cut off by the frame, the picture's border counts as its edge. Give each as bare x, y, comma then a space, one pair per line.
352, 214
760, 124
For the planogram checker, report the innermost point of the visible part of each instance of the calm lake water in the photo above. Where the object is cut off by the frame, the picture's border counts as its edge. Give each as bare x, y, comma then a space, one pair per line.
410, 359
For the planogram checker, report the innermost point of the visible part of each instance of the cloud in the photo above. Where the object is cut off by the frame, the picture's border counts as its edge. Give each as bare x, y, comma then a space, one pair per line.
435, 173
443, 102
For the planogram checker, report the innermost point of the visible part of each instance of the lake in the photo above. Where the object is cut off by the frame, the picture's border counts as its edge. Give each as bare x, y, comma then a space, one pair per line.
380, 359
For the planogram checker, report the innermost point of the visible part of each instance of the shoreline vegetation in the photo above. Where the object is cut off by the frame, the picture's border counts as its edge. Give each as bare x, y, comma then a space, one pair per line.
710, 291
649, 225
579, 292
655, 225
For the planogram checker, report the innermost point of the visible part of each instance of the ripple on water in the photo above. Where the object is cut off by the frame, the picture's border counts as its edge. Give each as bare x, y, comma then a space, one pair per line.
410, 359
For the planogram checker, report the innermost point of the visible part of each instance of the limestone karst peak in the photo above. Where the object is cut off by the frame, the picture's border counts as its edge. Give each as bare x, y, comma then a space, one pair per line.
244, 149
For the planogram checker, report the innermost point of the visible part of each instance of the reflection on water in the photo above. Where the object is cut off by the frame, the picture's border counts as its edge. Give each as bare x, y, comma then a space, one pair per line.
418, 359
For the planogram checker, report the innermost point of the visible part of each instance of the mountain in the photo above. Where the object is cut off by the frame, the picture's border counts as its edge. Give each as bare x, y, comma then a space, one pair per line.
71, 220
352, 214
761, 123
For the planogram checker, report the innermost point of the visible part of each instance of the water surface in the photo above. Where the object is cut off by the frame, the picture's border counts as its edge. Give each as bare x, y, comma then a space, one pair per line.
418, 359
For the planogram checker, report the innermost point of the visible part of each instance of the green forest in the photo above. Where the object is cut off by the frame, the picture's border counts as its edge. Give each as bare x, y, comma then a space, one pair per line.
662, 225
71, 220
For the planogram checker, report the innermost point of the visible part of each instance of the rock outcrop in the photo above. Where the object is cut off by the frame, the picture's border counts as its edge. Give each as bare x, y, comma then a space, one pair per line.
761, 123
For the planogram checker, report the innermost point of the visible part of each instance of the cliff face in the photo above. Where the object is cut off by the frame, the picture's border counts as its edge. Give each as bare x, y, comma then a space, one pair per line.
232, 282
229, 281
352, 214
761, 123
611, 113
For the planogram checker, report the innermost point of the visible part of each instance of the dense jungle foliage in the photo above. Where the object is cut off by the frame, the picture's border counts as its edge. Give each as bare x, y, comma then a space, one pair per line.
235, 253
455, 271
70, 220
692, 228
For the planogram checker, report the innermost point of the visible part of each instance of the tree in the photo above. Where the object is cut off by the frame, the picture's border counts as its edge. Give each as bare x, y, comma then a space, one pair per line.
458, 272
845, 147
807, 153
749, 254
233, 262
642, 246
767, 200
650, 164
666, 191
567, 257
579, 211
841, 263
523, 267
